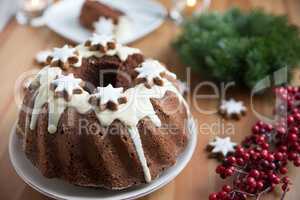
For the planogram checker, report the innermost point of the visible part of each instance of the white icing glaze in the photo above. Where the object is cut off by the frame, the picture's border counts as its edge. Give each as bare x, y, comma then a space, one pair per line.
137, 107
104, 26
121, 51
135, 136
108, 93
66, 83
41, 57
46, 75
101, 39
56, 106
151, 69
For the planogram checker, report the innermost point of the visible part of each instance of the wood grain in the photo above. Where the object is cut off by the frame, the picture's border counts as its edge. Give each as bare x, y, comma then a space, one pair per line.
19, 44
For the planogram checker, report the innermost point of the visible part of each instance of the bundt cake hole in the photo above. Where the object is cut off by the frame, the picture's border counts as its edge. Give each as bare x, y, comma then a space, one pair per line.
99, 74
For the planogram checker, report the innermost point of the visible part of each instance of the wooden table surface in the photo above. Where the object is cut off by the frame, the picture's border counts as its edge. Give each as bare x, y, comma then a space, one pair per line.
18, 46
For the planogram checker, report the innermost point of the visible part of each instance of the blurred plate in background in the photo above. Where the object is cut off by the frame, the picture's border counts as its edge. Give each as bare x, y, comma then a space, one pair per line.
146, 16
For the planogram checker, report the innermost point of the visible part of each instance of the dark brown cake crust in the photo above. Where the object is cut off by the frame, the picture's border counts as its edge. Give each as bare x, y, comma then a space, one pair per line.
92, 10
84, 153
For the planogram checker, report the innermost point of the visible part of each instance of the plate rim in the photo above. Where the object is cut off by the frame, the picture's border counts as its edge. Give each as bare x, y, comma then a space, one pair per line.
50, 24
190, 149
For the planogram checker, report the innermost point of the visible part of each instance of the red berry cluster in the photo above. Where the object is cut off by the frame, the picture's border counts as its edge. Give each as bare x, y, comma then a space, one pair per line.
259, 164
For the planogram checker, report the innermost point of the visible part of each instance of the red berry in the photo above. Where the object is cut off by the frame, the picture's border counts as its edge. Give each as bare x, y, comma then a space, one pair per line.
290, 119
260, 185
283, 148
297, 162
254, 173
229, 172
213, 196
276, 180
246, 156
293, 137
281, 130
295, 129
226, 188
265, 153
283, 170
255, 129
231, 160
286, 180
222, 195
240, 161
278, 156
270, 157
292, 156
265, 145
297, 116
251, 182
220, 169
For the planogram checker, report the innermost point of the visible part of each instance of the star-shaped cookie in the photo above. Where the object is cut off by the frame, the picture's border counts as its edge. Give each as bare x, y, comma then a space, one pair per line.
151, 72
232, 108
222, 146
66, 86
108, 97
64, 57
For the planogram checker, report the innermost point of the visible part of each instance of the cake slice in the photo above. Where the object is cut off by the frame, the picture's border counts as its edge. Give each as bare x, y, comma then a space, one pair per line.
104, 19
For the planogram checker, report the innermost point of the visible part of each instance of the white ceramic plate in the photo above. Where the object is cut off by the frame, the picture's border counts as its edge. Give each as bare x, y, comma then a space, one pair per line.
146, 16
61, 190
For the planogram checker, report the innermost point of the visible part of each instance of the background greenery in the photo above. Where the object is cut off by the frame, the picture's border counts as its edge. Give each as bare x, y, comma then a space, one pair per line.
237, 46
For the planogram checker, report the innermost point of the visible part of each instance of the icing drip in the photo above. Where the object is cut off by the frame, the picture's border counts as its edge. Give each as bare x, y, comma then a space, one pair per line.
56, 106
66, 83
138, 107
101, 39
135, 136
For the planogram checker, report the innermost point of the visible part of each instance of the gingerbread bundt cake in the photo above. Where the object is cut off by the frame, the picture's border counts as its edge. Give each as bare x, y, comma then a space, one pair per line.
100, 115
104, 19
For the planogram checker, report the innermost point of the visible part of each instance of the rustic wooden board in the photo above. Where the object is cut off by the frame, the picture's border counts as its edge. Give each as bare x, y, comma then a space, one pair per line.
19, 44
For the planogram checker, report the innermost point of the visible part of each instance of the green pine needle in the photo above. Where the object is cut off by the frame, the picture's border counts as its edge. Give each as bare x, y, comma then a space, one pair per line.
237, 46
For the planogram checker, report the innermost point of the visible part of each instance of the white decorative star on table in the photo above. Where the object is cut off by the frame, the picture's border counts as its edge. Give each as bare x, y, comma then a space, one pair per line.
66, 84
151, 69
232, 108
63, 54
104, 26
222, 146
